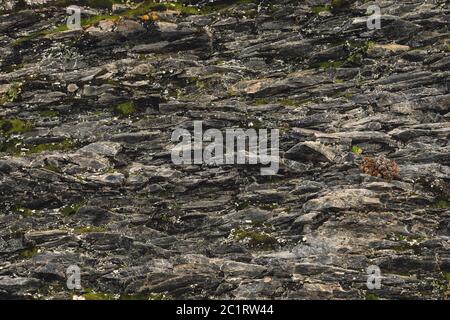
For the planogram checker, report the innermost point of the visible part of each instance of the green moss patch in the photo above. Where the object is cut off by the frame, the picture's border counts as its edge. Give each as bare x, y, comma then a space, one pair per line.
29, 253
328, 64
42, 33
66, 144
70, 209
442, 204
253, 238
321, 8
88, 229
150, 296
98, 296
15, 126
48, 113
11, 147
125, 109
371, 296
91, 294
96, 19
148, 6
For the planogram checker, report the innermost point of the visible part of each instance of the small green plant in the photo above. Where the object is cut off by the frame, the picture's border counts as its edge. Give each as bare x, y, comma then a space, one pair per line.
356, 150
125, 109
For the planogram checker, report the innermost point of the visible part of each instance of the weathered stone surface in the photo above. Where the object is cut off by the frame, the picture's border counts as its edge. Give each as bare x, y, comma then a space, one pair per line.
86, 176
311, 151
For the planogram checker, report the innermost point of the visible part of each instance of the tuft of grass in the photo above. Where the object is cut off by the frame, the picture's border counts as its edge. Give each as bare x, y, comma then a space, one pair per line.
125, 109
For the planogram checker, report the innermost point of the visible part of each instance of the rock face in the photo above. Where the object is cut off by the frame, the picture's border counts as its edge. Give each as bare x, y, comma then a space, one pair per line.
86, 176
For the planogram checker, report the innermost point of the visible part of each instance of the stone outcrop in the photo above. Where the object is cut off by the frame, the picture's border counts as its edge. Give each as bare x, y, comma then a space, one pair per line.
86, 176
